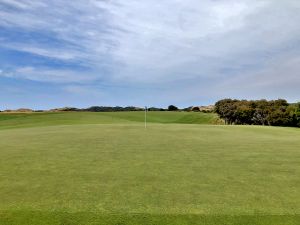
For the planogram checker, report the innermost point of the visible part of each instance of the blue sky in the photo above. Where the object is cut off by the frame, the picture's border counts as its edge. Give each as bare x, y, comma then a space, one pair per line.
80, 53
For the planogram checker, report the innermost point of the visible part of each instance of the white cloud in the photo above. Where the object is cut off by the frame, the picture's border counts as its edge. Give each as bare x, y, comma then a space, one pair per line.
14, 3
84, 90
68, 55
51, 75
158, 42
280, 72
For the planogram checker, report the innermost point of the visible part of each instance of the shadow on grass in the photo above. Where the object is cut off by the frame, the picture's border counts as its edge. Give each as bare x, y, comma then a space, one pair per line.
82, 218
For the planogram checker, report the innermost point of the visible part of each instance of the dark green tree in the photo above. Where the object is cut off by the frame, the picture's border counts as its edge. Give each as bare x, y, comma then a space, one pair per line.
172, 108
262, 112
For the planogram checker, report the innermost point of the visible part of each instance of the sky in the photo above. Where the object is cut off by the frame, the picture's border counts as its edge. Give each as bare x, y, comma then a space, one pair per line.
81, 53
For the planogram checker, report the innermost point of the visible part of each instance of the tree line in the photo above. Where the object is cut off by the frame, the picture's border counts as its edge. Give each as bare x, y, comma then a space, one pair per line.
98, 109
260, 112
113, 109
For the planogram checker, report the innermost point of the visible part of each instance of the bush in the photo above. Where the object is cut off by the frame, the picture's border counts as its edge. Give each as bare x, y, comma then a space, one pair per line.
261, 112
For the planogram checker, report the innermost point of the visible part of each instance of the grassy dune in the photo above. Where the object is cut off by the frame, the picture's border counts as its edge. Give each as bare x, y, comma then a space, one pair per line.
85, 168
14, 120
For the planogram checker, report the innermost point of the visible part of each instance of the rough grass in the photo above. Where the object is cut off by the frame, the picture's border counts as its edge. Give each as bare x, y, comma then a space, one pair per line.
167, 174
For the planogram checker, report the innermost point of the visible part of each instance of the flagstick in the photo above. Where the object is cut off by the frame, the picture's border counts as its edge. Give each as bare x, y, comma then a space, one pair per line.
145, 117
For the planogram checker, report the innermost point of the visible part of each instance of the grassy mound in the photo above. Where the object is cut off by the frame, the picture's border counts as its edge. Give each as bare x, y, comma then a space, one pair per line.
14, 120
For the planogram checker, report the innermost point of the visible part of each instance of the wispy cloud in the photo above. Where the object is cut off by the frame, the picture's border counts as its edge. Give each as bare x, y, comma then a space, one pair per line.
189, 45
50, 75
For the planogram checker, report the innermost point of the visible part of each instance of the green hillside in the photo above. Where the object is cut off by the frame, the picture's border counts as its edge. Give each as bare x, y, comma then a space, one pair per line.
13, 120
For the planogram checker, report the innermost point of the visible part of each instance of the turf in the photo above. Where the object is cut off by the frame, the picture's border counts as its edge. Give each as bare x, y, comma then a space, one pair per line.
120, 173
18, 120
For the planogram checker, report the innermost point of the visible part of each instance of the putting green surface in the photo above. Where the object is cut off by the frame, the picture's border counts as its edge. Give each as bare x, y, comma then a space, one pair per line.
120, 173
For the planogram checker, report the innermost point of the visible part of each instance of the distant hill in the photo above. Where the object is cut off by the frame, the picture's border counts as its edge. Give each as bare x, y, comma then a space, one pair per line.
15, 120
22, 110
209, 108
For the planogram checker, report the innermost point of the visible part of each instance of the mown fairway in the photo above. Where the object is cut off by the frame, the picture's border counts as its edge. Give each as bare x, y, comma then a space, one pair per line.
105, 168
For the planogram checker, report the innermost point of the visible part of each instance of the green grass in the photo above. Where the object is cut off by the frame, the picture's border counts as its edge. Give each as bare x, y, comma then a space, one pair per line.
14, 120
106, 168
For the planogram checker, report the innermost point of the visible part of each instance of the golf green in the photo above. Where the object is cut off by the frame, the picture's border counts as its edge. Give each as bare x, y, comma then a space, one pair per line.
106, 168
